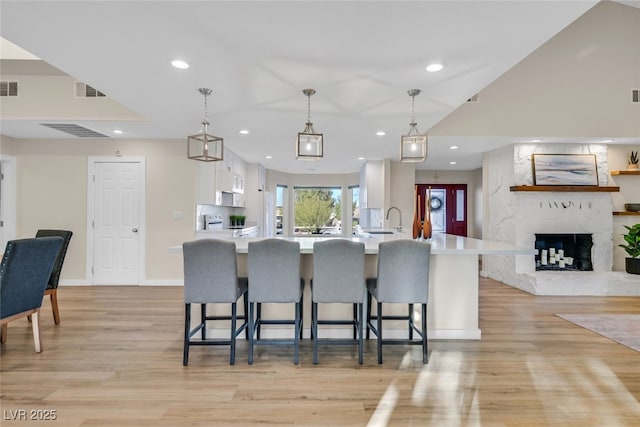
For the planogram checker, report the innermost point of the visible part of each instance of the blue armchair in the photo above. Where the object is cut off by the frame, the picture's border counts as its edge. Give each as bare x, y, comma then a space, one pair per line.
24, 273
52, 286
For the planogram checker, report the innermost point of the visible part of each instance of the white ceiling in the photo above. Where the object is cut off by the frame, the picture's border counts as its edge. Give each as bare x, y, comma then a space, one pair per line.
360, 56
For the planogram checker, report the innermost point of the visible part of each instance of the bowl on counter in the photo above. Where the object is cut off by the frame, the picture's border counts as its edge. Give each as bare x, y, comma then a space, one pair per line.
632, 207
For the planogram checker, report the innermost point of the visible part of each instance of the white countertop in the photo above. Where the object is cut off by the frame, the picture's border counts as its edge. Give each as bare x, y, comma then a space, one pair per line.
440, 244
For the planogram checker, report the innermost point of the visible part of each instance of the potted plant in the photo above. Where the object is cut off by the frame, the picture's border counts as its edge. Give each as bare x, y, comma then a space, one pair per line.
234, 220
633, 160
632, 246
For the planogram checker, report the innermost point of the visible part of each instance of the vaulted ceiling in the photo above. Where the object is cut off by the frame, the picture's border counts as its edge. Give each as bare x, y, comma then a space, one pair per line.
258, 56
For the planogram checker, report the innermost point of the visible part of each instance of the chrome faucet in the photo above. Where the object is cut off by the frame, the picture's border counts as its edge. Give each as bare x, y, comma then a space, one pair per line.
399, 227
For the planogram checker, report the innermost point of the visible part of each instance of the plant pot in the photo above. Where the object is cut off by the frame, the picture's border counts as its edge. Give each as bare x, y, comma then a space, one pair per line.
632, 265
632, 167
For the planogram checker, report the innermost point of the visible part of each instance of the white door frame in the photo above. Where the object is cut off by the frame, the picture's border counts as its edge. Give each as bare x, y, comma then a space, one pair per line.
91, 170
8, 202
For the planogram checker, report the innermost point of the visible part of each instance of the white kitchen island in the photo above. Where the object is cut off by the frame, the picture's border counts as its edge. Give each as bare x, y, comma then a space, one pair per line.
452, 311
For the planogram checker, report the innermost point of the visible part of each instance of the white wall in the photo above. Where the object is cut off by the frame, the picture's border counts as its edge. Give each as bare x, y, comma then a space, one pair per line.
52, 192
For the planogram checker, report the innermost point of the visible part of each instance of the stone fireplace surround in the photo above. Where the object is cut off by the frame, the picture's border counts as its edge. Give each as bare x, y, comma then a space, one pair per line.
516, 217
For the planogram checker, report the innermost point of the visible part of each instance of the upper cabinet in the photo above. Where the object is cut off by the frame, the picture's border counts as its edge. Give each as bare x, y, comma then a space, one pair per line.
239, 171
206, 183
224, 175
230, 175
262, 178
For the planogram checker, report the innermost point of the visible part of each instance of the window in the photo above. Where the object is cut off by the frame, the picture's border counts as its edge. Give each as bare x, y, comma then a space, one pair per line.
280, 193
355, 205
317, 210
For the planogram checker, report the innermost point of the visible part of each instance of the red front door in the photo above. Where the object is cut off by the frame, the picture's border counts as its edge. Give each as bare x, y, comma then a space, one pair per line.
448, 207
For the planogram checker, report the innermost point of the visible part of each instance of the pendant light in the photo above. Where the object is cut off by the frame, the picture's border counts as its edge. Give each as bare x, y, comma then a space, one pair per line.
308, 142
413, 146
203, 146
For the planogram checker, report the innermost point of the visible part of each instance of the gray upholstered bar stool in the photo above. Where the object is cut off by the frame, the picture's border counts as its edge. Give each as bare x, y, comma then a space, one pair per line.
338, 277
274, 277
403, 277
211, 276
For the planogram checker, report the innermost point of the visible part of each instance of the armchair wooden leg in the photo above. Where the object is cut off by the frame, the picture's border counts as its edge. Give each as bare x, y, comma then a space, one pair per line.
53, 294
35, 325
3, 334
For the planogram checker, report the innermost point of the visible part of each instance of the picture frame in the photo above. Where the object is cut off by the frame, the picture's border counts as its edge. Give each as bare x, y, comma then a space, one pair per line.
565, 169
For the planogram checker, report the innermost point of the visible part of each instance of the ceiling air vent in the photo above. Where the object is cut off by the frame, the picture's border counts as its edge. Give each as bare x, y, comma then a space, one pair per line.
635, 95
83, 90
8, 88
474, 99
75, 130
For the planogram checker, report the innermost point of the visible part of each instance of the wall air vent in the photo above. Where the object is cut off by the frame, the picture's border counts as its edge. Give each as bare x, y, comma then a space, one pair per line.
83, 90
635, 95
8, 88
75, 130
474, 99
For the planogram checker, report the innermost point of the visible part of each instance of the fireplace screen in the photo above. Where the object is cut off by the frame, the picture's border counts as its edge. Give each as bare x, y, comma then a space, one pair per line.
564, 252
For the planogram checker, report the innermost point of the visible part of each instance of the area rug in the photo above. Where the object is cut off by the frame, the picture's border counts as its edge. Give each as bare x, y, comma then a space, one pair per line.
621, 328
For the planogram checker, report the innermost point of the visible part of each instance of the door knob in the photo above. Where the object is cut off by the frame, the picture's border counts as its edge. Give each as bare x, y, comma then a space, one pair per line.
135, 230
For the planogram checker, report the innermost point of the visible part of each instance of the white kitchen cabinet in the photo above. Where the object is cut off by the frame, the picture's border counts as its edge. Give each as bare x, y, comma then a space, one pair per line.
230, 181
239, 171
206, 183
374, 183
224, 173
262, 178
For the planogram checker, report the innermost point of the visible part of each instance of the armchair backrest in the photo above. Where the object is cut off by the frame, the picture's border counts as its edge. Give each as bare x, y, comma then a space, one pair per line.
57, 268
24, 273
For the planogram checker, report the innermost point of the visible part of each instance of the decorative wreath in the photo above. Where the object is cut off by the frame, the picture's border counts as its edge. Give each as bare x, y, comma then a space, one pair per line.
436, 204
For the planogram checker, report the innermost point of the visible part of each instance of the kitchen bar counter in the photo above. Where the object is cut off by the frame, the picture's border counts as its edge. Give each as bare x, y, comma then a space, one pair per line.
453, 283
440, 244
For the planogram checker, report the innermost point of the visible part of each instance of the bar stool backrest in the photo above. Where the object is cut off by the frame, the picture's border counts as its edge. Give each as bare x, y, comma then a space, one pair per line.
274, 271
210, 271
403, 271
338, 271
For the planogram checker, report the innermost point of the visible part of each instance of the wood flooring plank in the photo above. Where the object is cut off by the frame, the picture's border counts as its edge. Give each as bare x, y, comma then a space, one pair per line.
116, 360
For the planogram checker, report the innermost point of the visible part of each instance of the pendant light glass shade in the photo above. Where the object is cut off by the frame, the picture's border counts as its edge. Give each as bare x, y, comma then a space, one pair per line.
308, 142
203, 146
413, 145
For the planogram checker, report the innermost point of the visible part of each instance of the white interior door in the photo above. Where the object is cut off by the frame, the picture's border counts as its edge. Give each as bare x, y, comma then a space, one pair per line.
7, 200
117, 237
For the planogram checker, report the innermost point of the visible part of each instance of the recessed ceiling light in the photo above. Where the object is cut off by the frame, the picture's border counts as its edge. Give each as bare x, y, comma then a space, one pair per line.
118, 131
536, 140
607, 140
453, 147
268, 157
452, 163
178, 63
361, 158
435, 66
243, 132
381, 133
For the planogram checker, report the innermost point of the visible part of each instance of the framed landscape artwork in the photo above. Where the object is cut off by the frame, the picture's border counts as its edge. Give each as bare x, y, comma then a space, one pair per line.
565, 169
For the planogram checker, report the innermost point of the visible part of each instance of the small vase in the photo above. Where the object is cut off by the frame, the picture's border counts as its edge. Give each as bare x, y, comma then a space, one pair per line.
632, 167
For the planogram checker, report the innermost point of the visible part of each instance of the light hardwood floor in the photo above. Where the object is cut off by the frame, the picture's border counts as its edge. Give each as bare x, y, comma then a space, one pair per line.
116, 360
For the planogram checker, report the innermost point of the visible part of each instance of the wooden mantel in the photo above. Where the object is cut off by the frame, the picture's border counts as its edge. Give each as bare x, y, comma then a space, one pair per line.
566, 188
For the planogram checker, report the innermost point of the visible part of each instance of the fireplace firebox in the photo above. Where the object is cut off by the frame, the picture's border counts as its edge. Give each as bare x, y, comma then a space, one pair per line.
564, 252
